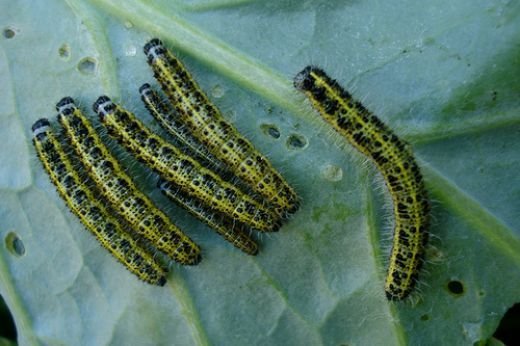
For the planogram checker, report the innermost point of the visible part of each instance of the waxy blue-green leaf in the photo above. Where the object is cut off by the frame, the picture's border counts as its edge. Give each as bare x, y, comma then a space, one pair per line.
443, 75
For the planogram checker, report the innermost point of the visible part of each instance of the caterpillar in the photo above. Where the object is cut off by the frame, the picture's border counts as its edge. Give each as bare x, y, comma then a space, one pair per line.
196, 180
222, 139
91, 212
166, 117
395, 160
233, 232
119, 189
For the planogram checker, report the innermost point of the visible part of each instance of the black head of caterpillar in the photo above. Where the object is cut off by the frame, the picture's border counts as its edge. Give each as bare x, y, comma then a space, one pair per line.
221, 138
120, 190
90, 210
154, 48
394, 159
195, 179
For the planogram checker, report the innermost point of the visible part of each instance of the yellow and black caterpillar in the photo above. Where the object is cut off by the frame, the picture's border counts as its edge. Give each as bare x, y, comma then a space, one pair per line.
394, 158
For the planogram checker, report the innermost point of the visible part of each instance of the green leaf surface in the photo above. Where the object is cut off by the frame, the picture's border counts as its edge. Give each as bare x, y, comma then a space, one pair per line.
444, 75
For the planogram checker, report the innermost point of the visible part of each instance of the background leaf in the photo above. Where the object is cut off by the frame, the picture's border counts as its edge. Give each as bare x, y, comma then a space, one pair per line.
445, 76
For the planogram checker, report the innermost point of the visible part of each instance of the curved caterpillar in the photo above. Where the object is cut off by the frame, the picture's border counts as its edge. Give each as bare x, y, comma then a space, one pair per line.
207, 124
119, 189
161, 112
394, 158
172, 165
234, 233
91, 212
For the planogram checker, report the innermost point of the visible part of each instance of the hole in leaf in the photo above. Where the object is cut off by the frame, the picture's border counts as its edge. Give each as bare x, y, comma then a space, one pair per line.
270, 130
456, 287
425, 317
14, 244
64, 51
9, 33
87, 65
296, 142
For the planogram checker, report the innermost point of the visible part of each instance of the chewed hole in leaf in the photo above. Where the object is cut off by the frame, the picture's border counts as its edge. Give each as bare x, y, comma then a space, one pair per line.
64, 51
296, 141
9, 33
456, 287
14, 244
270, 130
87, 65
